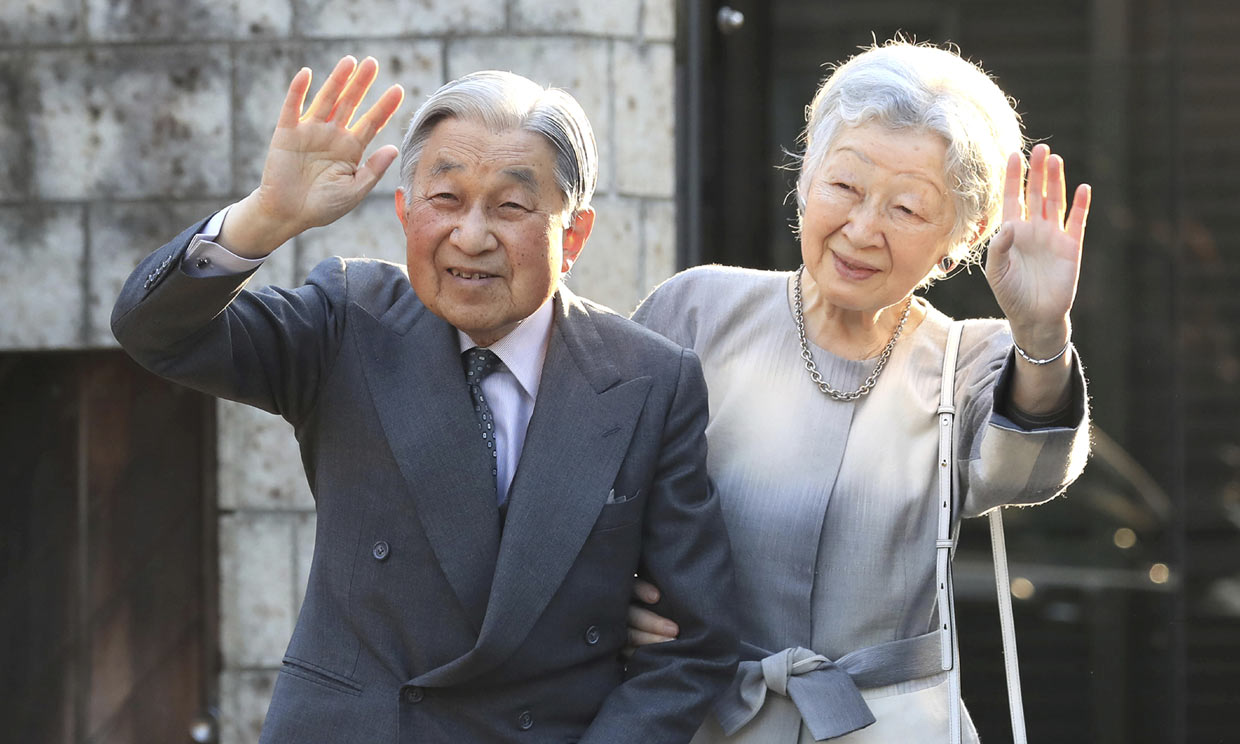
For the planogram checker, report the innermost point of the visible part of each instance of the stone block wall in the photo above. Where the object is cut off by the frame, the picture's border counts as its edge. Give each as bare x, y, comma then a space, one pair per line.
122, 121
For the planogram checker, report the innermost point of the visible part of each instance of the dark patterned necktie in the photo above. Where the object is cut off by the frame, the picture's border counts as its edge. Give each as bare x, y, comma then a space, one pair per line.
479, 363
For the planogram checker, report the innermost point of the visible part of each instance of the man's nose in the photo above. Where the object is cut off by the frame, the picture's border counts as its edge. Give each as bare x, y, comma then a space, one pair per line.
473, 233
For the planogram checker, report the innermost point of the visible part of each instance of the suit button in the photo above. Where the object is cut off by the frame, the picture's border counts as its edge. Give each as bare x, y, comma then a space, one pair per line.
525, 720
380, 551
414, 695
203, 263
592, 635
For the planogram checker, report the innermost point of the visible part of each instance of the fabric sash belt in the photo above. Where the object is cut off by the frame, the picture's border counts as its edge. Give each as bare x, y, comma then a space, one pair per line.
825, 692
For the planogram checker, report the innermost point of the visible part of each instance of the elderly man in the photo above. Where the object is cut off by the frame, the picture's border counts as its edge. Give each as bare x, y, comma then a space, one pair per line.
492, 457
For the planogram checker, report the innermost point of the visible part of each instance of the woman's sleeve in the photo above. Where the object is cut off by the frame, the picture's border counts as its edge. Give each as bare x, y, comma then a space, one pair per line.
999, 461
670, 309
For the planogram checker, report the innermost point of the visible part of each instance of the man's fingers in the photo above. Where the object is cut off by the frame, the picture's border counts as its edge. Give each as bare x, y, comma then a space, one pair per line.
290, 112
378, 115
354, 91
324, 102
374, 167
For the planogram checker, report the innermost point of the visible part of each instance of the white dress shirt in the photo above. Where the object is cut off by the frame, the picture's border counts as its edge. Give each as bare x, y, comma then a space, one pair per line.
511, 389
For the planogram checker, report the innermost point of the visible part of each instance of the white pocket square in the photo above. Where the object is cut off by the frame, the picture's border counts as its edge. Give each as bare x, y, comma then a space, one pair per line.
612, 498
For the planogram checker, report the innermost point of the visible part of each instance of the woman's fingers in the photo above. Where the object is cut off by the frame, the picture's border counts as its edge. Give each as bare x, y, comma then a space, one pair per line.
1014, 188
1056, 196
646, 624
1035, 190
324, 102
648, 621
644, 591
1080, 213
641, 638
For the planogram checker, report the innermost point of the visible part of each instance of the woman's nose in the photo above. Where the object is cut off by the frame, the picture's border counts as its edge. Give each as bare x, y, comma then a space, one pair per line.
864, 225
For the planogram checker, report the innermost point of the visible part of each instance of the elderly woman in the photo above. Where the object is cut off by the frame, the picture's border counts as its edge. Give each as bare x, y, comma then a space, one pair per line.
824, 386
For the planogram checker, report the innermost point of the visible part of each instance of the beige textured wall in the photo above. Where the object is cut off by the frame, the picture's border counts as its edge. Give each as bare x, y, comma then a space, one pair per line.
122, 121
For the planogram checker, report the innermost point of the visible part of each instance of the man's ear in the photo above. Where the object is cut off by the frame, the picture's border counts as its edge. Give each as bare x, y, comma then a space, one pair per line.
575, 235
400, 206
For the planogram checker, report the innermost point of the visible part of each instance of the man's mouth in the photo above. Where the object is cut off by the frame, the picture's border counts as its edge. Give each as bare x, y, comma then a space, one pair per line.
459, 274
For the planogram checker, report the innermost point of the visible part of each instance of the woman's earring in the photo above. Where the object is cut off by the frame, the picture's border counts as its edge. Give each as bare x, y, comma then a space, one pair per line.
947, 264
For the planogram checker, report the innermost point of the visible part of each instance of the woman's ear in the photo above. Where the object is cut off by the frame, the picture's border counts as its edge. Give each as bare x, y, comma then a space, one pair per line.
978, 231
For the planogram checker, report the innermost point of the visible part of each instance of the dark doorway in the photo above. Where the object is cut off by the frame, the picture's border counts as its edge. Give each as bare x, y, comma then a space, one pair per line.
1140, 98
108, 551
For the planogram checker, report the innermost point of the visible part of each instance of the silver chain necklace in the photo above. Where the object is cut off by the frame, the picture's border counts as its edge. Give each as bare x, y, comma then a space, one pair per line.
798, 313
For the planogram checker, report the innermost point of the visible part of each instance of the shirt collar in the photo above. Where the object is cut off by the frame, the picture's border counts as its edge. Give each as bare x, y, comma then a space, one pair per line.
524, 349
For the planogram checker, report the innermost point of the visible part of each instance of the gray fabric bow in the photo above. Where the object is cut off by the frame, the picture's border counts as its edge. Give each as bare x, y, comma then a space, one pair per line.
825, 692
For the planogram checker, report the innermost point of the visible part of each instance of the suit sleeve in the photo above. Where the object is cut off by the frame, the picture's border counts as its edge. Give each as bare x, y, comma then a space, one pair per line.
268, 347
669, 686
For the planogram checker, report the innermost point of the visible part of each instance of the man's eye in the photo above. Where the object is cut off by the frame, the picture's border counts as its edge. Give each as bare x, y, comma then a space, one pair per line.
514, 205
444, 196
842, 185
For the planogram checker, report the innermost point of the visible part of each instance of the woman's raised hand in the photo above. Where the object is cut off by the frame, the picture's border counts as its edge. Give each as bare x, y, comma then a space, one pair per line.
314, 172
1034, 261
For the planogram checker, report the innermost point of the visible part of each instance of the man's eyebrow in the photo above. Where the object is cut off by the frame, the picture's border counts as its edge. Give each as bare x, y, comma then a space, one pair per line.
524, 176
442, 166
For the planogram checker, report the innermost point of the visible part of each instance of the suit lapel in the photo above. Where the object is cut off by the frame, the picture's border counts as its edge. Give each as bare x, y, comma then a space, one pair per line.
578, 437
412, 366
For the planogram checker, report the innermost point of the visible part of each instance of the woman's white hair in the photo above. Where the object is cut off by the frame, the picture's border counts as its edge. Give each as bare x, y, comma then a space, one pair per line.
502, 101
924, 88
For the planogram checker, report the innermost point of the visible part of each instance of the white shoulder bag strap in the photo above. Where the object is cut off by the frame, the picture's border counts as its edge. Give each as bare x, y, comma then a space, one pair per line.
943, 554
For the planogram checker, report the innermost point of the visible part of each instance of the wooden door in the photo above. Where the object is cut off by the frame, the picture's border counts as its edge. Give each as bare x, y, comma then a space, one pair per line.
108, 551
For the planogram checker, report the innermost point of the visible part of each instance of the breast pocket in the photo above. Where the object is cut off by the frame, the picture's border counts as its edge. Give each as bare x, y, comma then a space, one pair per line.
620, 510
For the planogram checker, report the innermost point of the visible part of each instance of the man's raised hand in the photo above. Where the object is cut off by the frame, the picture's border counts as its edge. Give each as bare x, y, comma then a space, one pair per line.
314, 172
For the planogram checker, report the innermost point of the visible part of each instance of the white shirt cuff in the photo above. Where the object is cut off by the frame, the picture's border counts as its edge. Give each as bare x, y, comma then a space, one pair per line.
206, 258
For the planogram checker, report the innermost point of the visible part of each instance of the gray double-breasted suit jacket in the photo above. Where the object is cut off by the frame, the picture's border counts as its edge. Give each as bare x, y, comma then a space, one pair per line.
427, 618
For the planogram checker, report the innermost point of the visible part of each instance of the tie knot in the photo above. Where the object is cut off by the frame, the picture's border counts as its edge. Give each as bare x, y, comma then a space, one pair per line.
479, 363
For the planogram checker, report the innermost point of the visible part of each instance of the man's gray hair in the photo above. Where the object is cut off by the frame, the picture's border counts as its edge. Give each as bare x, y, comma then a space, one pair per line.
924, 89
502, 101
